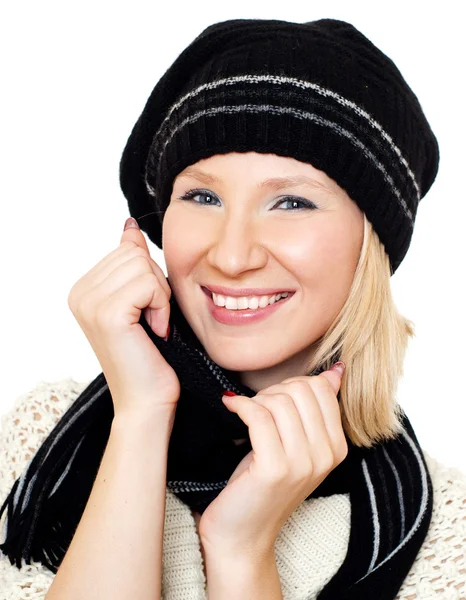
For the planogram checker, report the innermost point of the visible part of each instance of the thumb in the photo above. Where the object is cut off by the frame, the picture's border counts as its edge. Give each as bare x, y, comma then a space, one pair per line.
157, 319
334, 375
133, 233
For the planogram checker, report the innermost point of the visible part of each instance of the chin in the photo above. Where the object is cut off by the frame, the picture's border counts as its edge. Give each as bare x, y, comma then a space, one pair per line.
244, 361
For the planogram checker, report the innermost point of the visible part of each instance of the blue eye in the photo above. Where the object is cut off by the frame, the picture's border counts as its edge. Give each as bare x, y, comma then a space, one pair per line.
193, 193
305, 203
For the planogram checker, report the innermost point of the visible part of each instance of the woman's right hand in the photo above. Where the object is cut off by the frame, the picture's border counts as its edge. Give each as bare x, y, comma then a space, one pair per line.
107, 303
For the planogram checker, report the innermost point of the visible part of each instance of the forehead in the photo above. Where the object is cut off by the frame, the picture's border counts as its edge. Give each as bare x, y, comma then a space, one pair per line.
262, 171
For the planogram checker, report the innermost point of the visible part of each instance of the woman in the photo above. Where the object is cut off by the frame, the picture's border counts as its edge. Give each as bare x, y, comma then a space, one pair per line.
286, 162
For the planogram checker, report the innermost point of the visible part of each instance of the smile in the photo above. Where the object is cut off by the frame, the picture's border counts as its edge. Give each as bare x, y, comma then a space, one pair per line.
236, 315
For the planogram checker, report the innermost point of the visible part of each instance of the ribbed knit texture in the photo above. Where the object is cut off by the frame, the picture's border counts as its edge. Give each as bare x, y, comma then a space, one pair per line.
320, 92
389, 484
309, 548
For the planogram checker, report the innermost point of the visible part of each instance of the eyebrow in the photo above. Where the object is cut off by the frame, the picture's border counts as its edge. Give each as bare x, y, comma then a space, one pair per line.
274, 183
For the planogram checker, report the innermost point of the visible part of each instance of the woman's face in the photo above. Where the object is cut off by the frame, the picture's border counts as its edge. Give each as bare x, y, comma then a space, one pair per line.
242, 232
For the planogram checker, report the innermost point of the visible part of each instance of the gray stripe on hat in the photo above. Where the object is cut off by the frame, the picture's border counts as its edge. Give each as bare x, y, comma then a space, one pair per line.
303, 84
300, 114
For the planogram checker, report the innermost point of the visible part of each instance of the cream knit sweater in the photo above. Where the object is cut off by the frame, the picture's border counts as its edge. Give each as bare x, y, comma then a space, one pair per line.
309, 549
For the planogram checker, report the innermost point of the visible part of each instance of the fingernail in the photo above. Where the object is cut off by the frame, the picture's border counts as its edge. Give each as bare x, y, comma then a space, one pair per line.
130, 222
339, 367
228, 393
168, 333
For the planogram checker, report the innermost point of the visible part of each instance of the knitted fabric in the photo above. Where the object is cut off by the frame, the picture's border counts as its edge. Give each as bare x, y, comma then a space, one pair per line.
319, 528
389, 485
320, 92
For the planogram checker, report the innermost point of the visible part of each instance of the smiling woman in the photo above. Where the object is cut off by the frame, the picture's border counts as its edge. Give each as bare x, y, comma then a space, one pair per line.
328, 257
244, 438
242, 240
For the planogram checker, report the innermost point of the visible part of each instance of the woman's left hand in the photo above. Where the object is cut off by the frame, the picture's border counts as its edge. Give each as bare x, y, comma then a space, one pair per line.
297, 439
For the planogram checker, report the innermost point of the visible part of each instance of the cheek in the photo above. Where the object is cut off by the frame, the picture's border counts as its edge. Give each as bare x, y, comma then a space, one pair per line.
324, 261
179, 240
320, 252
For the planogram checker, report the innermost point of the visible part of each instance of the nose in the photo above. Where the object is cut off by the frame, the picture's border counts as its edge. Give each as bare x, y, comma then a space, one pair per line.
236, 246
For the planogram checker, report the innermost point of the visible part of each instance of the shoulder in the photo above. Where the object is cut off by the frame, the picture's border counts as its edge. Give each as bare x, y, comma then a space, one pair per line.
26, 425
440, 566
22, 430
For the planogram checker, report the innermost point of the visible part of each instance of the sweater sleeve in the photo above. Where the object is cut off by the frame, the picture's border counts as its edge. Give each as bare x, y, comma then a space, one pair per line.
439, 570
22, 431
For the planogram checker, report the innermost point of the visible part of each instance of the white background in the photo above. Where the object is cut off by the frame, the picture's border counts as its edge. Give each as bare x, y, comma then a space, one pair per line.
75, 77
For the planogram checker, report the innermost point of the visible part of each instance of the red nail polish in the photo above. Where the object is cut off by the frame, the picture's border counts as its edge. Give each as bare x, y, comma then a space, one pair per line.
228, 393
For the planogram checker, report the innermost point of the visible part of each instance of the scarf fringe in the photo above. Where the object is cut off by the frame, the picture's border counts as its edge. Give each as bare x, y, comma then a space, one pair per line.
41, 524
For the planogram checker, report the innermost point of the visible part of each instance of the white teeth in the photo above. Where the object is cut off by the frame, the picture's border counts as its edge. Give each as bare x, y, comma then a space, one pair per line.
243, 302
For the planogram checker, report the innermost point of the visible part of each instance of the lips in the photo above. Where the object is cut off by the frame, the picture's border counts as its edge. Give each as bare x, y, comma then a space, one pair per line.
244, 316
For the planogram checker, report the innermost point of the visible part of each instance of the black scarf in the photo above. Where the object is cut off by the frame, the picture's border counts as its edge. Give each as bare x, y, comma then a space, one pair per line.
389, 485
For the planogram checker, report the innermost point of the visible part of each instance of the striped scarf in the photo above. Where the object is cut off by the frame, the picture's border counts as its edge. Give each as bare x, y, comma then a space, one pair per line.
389, 484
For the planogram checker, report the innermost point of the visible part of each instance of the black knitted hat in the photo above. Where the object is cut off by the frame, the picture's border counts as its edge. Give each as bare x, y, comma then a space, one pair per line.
320, 92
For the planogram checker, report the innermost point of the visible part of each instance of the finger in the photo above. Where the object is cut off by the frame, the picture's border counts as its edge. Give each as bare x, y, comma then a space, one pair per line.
110, 267
94, 273
310, 414
263, 433
131, 298
134, 234
288, 422
120, 272
121, 255
334, 376
161, 276
330, 409
324, 411
123, 276
100, 270
326, 397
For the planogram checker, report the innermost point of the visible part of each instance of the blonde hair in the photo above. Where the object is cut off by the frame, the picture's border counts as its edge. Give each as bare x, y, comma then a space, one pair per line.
370, 336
